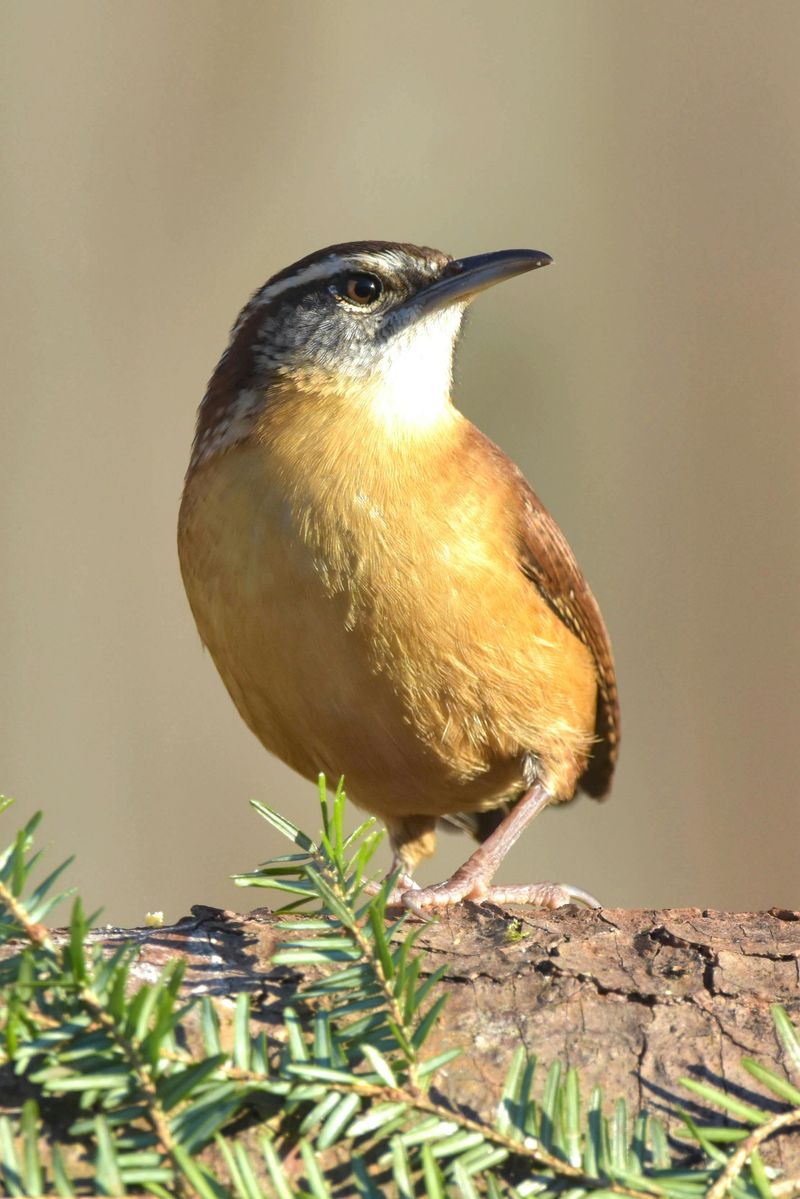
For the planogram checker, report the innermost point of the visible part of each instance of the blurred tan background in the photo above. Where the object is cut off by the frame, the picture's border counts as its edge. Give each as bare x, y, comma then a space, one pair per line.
160, 160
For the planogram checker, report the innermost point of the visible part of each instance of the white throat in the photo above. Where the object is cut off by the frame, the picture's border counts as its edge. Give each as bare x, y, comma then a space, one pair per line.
411, 390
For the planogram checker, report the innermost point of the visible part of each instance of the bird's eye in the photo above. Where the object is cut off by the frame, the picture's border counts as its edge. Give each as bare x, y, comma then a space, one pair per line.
361, 289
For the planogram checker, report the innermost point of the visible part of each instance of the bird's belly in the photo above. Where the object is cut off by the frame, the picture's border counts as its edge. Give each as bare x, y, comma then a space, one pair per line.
385, 681
287, 648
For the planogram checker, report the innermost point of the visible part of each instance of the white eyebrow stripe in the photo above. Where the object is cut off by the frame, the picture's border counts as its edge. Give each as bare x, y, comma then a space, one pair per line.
325, 269
328, 268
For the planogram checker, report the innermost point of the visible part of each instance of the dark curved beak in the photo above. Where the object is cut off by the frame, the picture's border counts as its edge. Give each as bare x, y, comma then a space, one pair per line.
465, 277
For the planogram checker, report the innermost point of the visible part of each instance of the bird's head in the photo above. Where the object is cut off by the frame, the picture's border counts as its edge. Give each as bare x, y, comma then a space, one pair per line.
372, 323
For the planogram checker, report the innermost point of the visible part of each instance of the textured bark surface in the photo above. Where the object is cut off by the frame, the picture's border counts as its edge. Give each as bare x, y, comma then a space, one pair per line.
636, 1000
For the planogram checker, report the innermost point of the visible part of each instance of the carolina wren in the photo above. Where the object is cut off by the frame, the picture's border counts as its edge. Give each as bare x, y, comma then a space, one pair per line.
381, 591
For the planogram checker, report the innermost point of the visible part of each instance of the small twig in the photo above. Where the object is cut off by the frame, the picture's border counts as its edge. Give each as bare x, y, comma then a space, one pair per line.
737, 1161
363, 943
39, 936
154, 1112
528, 1148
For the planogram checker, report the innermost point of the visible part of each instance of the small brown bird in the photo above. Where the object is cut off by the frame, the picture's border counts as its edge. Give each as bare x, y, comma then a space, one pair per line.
381, 591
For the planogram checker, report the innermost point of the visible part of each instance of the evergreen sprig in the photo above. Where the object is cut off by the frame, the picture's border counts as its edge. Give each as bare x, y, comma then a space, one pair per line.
344, 1104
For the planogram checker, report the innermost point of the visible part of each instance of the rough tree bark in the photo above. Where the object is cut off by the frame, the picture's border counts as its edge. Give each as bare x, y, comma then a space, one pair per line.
636, 1000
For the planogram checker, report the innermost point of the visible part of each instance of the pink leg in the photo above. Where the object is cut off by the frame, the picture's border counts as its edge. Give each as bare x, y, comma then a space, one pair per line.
473, 879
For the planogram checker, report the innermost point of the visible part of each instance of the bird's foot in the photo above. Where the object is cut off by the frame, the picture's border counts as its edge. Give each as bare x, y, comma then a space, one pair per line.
465, 886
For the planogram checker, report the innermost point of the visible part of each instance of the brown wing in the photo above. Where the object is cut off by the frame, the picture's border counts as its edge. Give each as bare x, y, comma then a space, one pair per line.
547, 560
